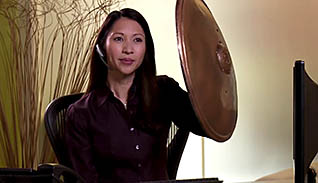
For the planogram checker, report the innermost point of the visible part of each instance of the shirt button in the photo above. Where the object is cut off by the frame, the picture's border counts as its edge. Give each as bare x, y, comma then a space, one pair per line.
139, 165
132, 129
137, 147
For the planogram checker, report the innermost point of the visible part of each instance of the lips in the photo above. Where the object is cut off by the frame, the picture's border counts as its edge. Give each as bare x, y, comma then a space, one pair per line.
127, 60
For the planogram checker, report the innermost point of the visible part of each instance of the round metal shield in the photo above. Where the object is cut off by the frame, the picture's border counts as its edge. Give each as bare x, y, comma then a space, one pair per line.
207, 68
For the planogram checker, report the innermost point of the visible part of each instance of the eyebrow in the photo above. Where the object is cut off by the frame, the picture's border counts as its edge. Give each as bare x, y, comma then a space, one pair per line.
135, 34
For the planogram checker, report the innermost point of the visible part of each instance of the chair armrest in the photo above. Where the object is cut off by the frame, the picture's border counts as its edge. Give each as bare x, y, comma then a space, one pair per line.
175, 151
58, 170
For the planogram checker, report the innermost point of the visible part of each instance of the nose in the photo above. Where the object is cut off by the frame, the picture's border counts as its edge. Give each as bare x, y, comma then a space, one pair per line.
128, 47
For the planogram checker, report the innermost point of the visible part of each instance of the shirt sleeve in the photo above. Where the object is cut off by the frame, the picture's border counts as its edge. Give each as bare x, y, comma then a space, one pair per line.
78, 145
180, 107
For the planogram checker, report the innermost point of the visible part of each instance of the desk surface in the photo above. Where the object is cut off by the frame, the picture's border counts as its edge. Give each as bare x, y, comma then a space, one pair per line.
271, 181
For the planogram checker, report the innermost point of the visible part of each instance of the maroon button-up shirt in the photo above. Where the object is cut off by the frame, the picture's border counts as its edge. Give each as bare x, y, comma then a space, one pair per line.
105, 145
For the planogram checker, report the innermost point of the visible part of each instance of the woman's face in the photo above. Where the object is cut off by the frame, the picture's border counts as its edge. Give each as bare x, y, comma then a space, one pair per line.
125, 47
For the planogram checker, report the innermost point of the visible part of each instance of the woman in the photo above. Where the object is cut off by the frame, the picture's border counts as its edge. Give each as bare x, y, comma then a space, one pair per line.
117, 132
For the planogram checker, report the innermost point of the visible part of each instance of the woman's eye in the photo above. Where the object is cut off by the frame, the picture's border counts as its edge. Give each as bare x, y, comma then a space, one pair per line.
138, 40
118, 39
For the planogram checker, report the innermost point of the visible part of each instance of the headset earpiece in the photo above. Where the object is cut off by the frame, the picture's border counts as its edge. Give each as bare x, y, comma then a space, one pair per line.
101, 55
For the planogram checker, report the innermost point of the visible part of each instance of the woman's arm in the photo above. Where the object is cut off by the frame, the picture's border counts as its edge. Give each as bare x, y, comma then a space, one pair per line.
179, 106
78, 145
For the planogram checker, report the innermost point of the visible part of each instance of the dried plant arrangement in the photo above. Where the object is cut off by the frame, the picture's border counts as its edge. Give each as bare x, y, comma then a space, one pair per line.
44, 54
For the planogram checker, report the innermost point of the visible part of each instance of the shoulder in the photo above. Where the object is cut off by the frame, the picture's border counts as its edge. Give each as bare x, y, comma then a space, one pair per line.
166, 81
83, 106
82, 112
169, 88
82, 103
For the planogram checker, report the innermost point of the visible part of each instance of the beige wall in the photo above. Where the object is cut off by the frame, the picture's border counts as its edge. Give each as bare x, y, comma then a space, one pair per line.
265, 38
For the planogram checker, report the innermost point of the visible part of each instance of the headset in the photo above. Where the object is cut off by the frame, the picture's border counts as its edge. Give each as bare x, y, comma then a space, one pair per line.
101, 55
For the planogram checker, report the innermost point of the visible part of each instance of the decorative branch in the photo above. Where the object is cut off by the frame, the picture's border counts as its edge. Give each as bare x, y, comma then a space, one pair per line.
44, 54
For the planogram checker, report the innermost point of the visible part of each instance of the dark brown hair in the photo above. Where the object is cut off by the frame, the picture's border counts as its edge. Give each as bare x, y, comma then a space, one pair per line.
145, 75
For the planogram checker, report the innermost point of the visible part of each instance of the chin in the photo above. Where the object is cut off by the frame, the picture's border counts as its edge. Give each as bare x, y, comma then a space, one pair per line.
126, 73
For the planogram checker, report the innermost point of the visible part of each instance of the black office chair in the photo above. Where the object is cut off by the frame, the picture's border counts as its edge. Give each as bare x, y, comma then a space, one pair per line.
54, 119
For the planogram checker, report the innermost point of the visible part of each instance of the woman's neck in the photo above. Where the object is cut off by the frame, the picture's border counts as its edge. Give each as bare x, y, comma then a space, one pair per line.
120, 86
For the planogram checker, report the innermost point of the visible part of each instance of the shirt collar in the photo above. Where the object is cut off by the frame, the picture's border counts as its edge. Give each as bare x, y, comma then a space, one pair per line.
103, 94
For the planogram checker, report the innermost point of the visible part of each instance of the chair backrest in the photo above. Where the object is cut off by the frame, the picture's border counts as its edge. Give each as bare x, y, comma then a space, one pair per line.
54, 119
